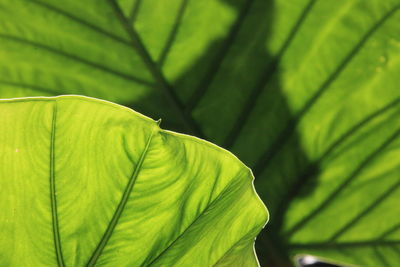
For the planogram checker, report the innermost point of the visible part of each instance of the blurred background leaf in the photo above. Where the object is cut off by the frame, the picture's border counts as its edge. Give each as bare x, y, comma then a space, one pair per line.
304, 92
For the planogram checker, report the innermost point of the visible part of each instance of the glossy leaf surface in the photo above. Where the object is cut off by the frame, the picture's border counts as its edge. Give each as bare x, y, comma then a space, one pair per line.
87, 182
305, 92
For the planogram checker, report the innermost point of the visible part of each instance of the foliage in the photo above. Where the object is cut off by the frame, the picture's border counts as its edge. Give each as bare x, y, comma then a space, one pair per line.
122, 191
305, 92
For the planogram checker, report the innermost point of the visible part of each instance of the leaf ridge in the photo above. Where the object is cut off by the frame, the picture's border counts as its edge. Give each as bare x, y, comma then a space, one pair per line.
53, 197
76, 59
265, 159
121, 205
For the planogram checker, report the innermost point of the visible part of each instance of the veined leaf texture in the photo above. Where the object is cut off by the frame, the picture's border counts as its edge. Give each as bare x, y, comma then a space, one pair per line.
304, 92
85, 182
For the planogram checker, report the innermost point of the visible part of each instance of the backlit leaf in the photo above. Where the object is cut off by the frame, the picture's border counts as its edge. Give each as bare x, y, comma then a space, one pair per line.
305, 92
87, 182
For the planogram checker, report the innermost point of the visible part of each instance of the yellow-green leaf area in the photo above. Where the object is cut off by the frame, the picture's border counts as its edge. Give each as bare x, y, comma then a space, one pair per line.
87, 182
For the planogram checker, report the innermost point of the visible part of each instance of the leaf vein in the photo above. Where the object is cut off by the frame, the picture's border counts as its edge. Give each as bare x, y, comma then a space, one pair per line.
53, 197
76, 59
161, 81
82, 22
121, 205
205, 83
265, 159
310, 170
368, 209
343, 185
173, 33
270, 70
201, 214
134, 12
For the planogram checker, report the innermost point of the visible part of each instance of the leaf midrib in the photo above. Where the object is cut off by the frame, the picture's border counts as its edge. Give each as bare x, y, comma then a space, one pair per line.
124, 199
53, 198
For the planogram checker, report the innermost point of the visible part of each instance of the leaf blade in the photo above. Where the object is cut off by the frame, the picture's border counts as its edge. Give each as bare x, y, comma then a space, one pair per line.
101, 219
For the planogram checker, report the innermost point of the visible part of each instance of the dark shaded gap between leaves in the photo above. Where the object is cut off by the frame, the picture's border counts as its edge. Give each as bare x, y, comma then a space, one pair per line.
343, 185
270, 70
270, 251
320, 264
172, 35
134, 11
77, 59
284, 136
365, 212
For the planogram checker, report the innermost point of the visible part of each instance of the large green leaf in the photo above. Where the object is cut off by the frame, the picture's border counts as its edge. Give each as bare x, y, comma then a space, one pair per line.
305, 92
85, 181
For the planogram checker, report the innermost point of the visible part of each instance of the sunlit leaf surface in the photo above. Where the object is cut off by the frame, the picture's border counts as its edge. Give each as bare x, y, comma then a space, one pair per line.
305, 92
87, 182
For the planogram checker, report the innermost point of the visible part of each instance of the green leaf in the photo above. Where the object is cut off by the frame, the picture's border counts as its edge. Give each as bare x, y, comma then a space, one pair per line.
89, 182
305, 92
